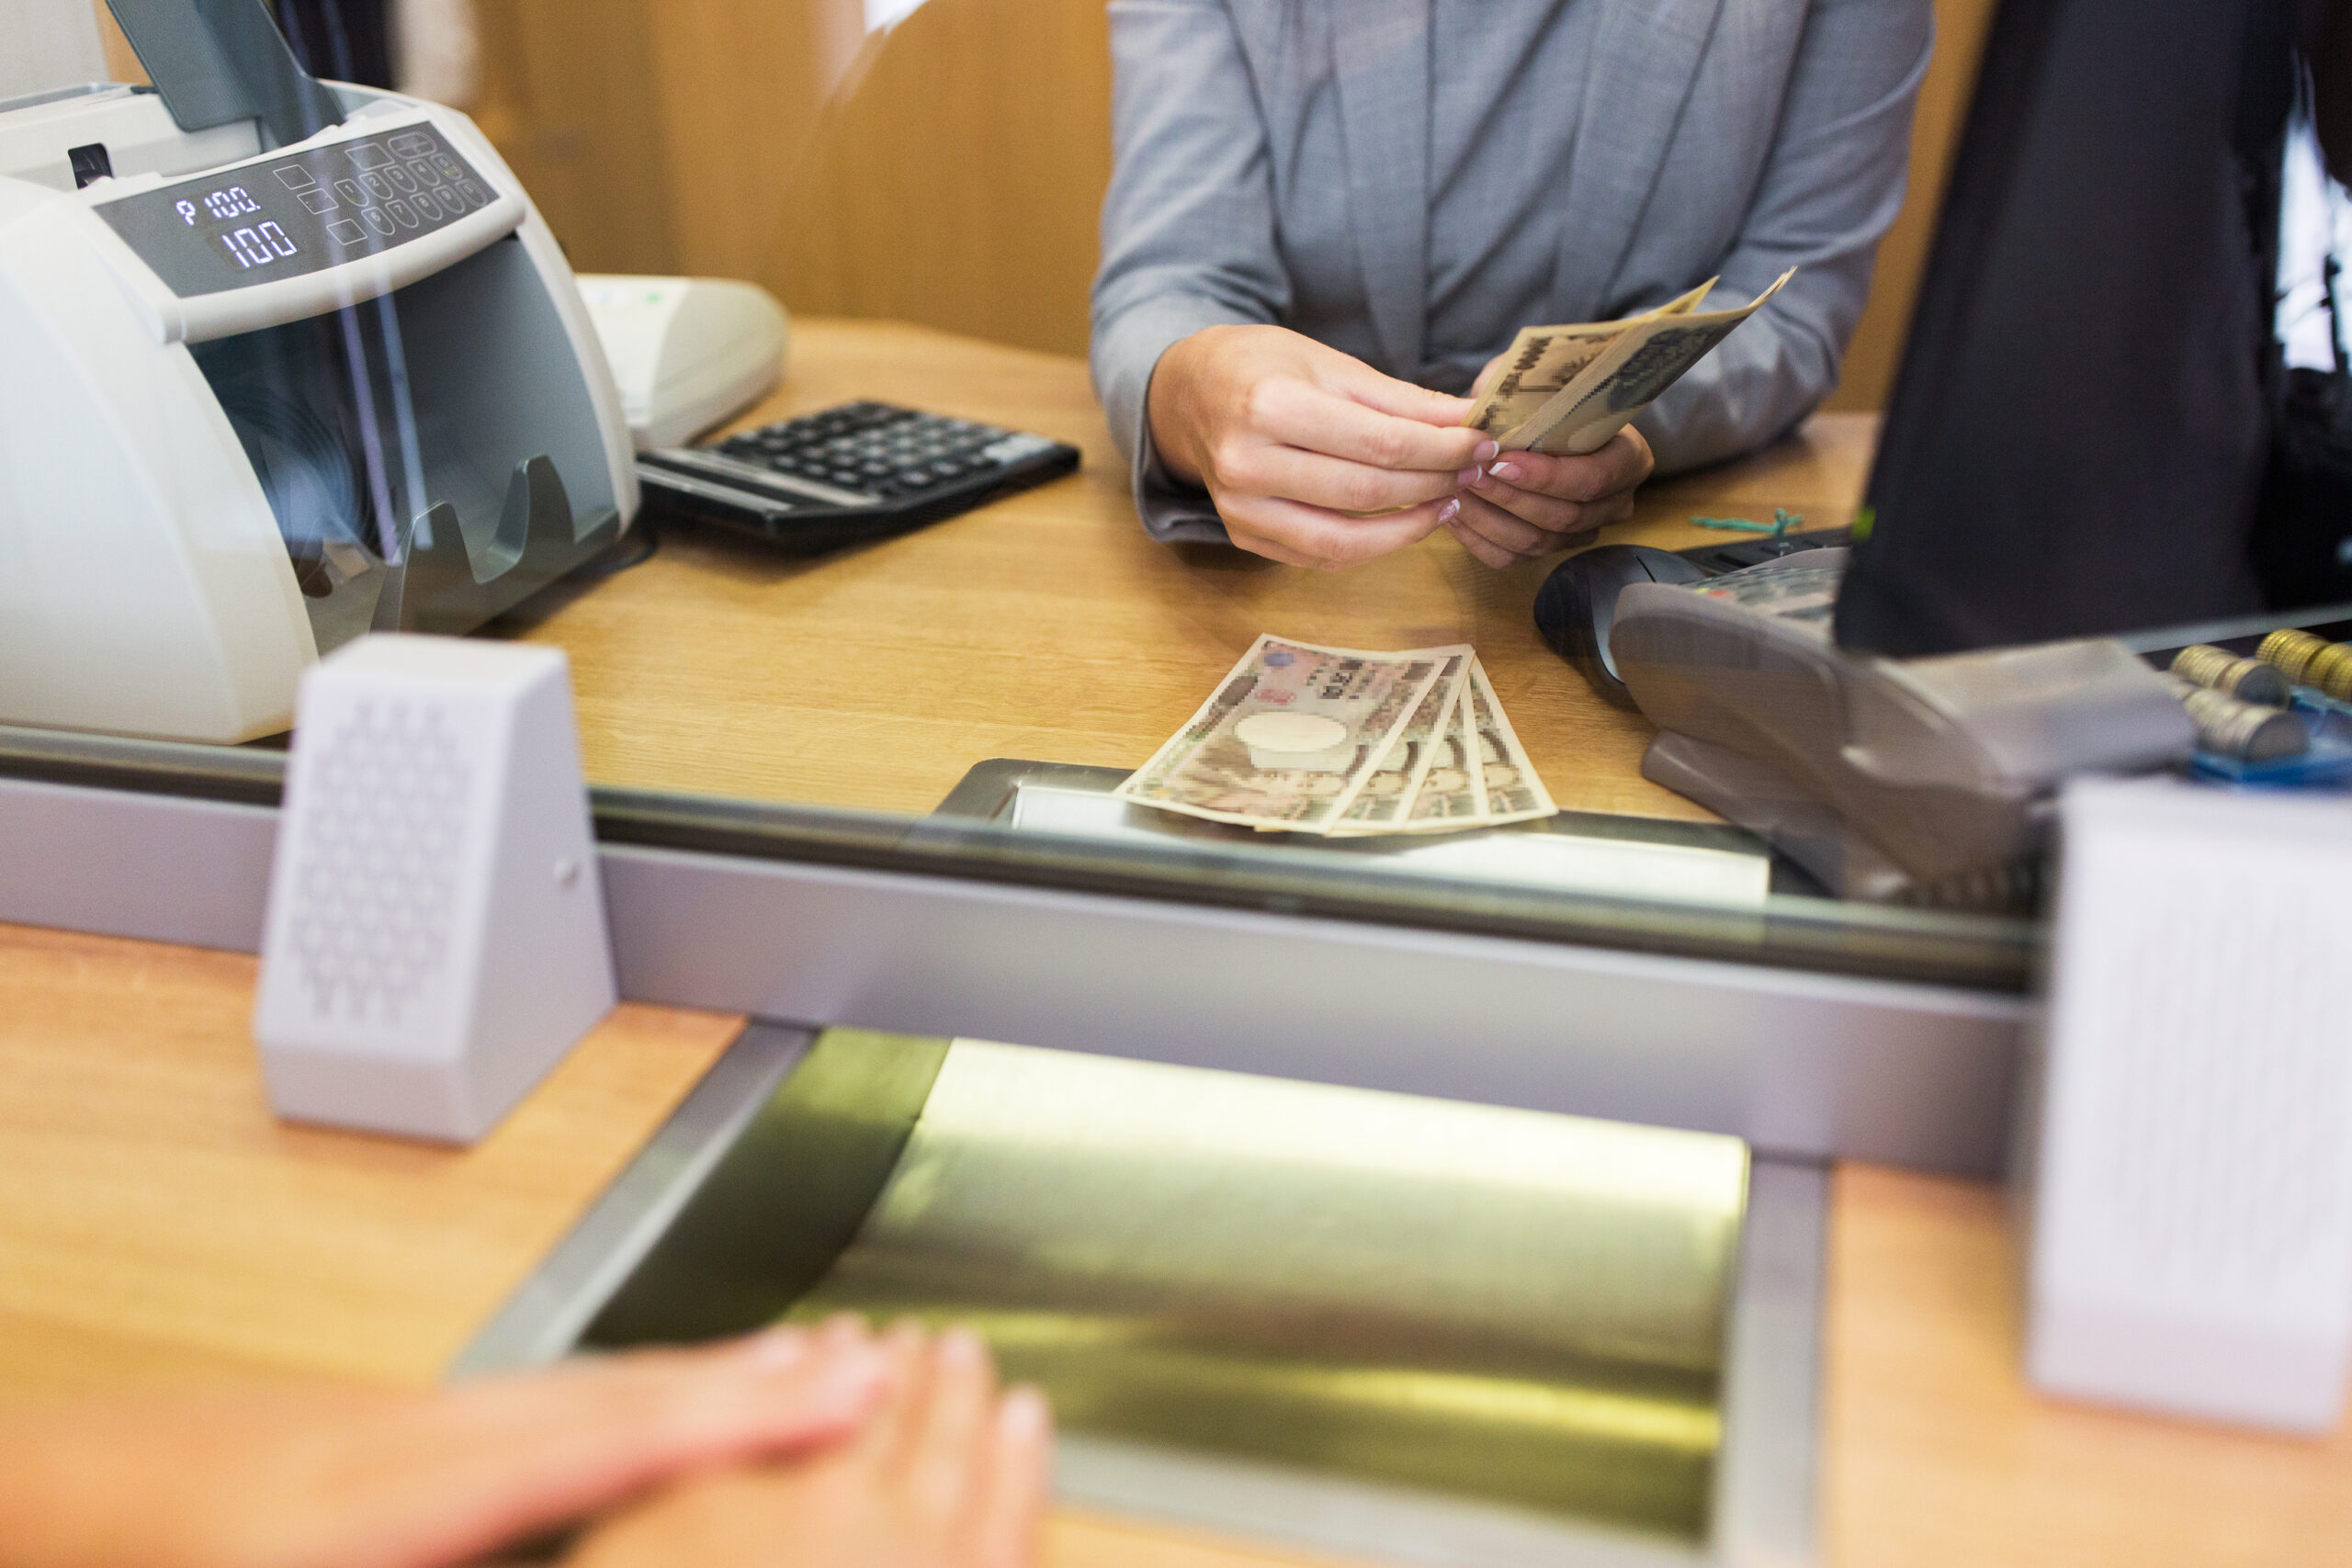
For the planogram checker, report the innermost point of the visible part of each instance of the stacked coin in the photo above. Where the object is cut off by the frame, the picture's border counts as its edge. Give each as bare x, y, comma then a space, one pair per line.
2309, 661
2248, 680
2248, 731
2331, 670
2290, 651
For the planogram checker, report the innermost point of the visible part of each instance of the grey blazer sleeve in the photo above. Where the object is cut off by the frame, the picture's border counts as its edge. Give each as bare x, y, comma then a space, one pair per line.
1188, 225
1832, 185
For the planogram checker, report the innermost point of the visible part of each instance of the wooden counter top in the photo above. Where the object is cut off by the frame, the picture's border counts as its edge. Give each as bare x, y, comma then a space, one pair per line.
1049, 626
158, 1229
1937, 1453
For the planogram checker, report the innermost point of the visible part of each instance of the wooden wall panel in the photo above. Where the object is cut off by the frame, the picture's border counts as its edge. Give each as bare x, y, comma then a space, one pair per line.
743, 84
568, 97
956, 178
949, 171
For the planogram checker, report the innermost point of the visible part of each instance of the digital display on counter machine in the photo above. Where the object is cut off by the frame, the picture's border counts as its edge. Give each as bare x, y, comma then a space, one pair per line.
303, 212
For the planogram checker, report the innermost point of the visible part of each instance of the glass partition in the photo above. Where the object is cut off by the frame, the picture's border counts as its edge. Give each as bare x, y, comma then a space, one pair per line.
920, 185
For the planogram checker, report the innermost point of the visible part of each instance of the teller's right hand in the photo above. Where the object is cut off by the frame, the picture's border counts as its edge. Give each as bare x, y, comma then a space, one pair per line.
1313, 457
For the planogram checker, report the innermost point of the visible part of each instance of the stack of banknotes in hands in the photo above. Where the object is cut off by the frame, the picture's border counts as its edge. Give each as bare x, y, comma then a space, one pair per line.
1568, 389
1307, 740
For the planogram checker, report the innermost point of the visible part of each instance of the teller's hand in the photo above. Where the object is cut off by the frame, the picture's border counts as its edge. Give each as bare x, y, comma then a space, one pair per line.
1527, 504
1296, 442
364, 1479
949, 1474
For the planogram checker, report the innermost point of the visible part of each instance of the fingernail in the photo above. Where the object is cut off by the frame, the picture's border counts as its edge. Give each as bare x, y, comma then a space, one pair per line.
905, 1335
1449, 512
777, 1348
1023, 1415
1468, 477
1487, 450
961, 1348
1507, 472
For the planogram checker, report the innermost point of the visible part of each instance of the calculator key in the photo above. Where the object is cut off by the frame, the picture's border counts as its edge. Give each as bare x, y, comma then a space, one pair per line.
1012, 449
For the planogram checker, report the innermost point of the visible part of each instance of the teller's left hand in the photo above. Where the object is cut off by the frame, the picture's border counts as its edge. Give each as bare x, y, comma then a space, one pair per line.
1523, 505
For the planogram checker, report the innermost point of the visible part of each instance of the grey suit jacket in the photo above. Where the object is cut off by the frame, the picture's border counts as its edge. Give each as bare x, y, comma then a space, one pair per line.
1272, 162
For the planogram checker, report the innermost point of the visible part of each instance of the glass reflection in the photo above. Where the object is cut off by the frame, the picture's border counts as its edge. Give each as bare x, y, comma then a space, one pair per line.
922, 186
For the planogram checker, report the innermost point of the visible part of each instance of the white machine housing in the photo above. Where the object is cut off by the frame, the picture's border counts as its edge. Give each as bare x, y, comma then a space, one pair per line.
148, 580
686, 351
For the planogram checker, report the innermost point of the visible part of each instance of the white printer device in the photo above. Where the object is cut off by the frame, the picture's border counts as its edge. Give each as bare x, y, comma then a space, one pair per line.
281, 362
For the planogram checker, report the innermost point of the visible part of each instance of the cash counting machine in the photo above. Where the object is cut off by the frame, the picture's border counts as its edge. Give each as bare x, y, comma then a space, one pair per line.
281, 362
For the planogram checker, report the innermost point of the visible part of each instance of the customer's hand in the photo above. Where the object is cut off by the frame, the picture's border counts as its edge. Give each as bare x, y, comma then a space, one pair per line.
381, 1479
1527, 504
1296, 443
949, 1474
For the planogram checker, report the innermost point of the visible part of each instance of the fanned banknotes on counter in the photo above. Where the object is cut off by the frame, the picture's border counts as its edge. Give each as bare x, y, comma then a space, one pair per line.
1568, 389
1331, 741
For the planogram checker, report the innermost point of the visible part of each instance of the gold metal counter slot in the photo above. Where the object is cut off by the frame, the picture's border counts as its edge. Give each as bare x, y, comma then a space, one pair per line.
1544, 1439
1503, 1304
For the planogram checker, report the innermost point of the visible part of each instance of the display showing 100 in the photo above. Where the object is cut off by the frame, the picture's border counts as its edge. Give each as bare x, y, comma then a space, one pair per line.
252, 247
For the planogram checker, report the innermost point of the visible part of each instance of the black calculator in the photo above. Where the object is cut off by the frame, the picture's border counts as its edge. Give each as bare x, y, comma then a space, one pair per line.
860, 471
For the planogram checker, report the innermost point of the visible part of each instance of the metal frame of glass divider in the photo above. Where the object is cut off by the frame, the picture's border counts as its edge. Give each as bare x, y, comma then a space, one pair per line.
1761, 1500
1812, 1029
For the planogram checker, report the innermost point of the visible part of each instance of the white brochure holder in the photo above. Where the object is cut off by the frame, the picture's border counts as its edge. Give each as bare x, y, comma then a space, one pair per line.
2188, 1158
435, 939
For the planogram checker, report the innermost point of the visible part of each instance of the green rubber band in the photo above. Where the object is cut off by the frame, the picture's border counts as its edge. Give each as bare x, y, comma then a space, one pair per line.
1783, 521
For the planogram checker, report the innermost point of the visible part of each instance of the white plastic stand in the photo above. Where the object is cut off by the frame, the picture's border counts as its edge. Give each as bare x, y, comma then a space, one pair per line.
2189, 1158
435, 939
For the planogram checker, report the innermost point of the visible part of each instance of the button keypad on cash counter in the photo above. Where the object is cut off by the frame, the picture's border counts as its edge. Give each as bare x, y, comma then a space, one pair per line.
406, 182
298, 212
